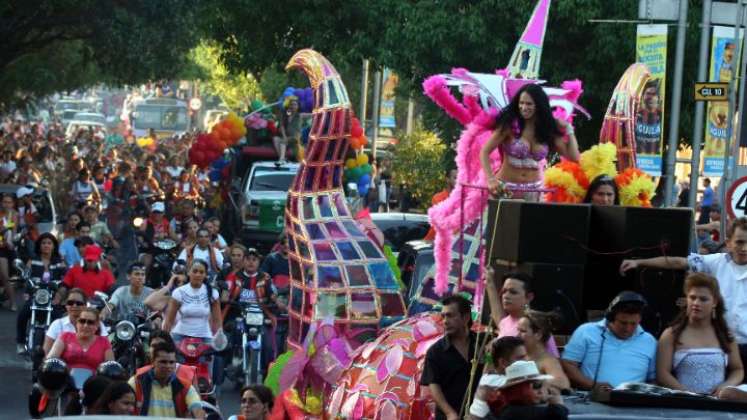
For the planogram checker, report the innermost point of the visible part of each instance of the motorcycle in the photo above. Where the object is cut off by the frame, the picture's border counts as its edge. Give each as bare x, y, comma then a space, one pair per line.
163, 260
192, 351
41, 292
246, 361
130, 337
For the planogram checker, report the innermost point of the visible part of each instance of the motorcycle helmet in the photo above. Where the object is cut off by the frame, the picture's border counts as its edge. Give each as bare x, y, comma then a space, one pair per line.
112, 370
53, 374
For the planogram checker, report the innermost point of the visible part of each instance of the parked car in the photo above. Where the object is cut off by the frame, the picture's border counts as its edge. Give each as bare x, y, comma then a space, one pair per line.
415, 260
398, 228
261, 202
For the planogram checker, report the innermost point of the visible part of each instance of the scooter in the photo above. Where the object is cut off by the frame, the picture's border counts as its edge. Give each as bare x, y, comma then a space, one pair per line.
250, 326
192, 351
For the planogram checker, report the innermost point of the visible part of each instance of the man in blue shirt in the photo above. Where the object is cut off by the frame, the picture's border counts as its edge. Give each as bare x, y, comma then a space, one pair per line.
614, 350
706, 202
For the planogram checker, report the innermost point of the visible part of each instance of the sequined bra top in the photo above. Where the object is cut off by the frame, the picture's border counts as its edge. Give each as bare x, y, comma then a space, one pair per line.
518, 154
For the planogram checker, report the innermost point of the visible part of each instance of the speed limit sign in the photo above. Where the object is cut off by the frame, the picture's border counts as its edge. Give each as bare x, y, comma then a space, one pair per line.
736, 196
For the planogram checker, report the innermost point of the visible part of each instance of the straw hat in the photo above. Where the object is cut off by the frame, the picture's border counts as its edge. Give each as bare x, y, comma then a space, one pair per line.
523, 371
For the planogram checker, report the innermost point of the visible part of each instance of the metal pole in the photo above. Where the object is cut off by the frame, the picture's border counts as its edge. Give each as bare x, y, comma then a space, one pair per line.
376, 105
674, 118
364, 94
705, 32
723, 185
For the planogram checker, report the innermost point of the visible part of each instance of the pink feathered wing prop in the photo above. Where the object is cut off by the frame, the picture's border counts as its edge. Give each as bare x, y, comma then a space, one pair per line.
482, 97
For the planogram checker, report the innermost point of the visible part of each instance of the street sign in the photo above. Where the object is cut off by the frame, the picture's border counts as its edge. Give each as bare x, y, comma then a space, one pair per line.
195, 104
658, 9
711, 91
736, 198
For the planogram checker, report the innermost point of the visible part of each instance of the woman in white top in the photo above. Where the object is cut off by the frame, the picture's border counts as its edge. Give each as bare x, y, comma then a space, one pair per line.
199, 314
698, 353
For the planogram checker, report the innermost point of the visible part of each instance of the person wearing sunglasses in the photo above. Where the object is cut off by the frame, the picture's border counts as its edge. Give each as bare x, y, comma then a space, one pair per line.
83, 348
75, 302
256, 403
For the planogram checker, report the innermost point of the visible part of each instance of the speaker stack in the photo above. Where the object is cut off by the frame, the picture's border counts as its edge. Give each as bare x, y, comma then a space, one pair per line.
574, 254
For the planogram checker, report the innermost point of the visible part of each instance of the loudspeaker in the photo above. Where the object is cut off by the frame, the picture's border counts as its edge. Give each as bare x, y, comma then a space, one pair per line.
519, 231
557, 287
618, 233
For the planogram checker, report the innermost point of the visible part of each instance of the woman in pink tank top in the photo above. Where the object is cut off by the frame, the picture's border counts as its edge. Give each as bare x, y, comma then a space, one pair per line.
83, 348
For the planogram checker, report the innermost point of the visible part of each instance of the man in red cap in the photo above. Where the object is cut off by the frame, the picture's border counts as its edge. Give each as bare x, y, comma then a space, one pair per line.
89, 275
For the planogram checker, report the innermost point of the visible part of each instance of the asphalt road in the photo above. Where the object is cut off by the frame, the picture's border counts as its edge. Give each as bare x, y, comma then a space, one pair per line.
15, 376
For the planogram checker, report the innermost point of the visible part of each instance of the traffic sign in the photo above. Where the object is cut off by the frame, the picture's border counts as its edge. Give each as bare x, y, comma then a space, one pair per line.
705, 91
736, 197
195, 104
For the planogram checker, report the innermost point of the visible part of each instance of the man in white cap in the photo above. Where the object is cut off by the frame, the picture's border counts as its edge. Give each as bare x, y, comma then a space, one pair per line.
526, 392
27, 212
155, 227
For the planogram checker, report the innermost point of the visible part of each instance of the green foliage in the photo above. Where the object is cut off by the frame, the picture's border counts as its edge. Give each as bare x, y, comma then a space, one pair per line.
417, 163
236, 89
65, 44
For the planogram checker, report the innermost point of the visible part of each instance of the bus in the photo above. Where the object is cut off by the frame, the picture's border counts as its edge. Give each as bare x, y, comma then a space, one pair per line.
167, 116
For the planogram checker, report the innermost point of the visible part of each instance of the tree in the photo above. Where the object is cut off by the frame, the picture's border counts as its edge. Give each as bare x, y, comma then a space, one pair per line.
420, 38
417, 164
236, 89
93, 41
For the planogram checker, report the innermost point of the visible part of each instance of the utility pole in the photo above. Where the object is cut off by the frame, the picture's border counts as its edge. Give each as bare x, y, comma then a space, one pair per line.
674, 116
376, 105
364, 95
697, 143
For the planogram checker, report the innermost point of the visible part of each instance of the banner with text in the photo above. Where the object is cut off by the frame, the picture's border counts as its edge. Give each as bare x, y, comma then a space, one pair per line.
718, 127
651, 50
386, 110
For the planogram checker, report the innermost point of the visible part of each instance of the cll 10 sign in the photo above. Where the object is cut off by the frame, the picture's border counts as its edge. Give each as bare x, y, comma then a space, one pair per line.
711, 91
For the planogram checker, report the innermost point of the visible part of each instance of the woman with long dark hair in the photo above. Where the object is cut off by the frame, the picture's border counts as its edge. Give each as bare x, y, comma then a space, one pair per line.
117, 399
526, 132
603, 191
698, 353
48, 266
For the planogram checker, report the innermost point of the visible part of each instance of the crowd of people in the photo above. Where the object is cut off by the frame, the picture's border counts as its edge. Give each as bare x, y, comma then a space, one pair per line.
101, 189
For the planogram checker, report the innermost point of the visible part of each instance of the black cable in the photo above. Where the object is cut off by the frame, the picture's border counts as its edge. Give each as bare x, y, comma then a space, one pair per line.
599, 362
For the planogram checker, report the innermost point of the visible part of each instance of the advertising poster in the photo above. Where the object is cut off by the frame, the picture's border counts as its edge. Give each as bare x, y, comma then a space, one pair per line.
386, 110
651, 50
718, 127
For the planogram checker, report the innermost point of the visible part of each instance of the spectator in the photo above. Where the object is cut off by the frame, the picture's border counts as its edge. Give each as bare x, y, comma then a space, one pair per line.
503, 352
161, 393
525, 394
256, 403
117, 399
276, 266
535, 328
510, 302
630, 352
706, 202
698, 352
729, 268
448, 362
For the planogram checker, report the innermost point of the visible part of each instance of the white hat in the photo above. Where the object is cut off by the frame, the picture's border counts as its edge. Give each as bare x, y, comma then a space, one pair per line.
24, 191
159, 206
522, 371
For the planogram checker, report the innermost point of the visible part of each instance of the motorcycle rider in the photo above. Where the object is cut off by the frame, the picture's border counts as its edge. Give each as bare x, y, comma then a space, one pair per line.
76, 300
159, 392
47, 264
276, 266
8, 229
130, 299
203, 250
70, 346
53, 392
27, 213
155, 227
100, 232
69, 246
90, 276
255, 287
84, 190
213, 226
